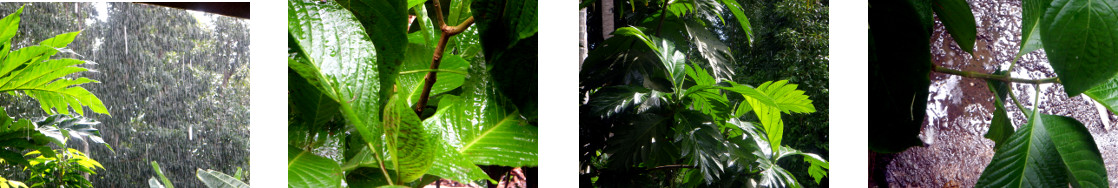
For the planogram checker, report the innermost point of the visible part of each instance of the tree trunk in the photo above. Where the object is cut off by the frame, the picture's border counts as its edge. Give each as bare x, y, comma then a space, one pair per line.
607, 18
582, 42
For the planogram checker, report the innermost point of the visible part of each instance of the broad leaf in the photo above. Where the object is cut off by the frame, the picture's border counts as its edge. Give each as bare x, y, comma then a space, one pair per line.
1050, 151
331, 51
1106, 94
608, 102
385, 22
497, 137
701, 143
305, 169
411, 147
643, 138
1032, 11
1001, 127
900, 63
508, 30
1081, 41
674, 62
64, 127
19, 135
957, 18
215, 179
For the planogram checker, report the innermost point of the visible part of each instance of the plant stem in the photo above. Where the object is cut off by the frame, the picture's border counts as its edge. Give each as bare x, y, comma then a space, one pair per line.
674, 166
663, 12
1014, 97
1005, 78
436, 58
433, 70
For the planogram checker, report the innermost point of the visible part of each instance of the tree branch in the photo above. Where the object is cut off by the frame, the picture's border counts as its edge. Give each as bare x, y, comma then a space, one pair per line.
447, 32
663, 12
669, 167
1005, 78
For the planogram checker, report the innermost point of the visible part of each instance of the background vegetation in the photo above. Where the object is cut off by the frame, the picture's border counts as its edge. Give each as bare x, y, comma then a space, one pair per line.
176, 86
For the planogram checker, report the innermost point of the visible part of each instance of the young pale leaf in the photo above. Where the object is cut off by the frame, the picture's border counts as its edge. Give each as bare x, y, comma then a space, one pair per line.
1081, 42
959, 21
305, 169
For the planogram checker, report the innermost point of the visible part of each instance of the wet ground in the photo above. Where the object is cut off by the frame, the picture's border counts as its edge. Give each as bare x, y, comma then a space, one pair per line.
960, 109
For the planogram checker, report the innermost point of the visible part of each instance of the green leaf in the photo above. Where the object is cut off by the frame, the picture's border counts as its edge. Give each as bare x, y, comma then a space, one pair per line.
702, 142
412, 147
154, 183
1032, 11
305, 169
215, 179
384, 20
1046, 153
9, 26
957, 18
739, 13
159, 172
900, 64
674, 62
418, 64
643, 138
57, 126
1106, 94
612, 101
331, 50
711, 48
1081, 42
497, 137
61, 40
44, 82
507, 30
1001, 127
700, 76
312, 113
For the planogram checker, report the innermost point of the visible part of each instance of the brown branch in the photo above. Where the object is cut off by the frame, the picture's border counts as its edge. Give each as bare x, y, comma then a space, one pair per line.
437, 57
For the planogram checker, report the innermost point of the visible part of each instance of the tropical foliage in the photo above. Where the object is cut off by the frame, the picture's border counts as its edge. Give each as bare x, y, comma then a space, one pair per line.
399, 94
1046, 151
30, 71
652, 114
210, 178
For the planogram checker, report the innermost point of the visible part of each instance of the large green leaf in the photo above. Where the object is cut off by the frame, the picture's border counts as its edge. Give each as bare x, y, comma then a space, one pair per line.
31, 71
313, 113
386, 23
900, 63
64, 127
484, 132
331, 51
1032, 11
1049, 151
674, 62
701, 142
508, 30
215, 179
305, 169
642, 138
19, 135
1081, 40
9, 26
448, 164
612, 101
769, 100
412, 149
959, 21
1106, 94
